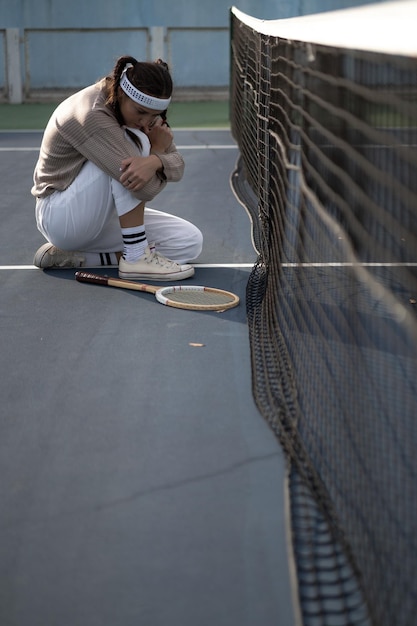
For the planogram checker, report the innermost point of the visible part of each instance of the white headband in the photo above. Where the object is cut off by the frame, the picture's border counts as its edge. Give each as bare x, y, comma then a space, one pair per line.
157, 104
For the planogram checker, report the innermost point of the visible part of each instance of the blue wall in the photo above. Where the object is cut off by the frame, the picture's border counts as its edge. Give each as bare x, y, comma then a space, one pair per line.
196, 36
99, 13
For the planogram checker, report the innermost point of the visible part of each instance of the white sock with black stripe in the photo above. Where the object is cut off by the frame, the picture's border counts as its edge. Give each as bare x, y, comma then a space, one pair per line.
108, 258
97, 259
134, 243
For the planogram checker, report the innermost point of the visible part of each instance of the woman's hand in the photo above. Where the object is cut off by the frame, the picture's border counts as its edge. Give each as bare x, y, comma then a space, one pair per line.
138, 170
160, 135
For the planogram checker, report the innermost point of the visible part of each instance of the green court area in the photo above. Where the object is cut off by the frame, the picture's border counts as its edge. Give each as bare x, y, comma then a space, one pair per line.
204, 114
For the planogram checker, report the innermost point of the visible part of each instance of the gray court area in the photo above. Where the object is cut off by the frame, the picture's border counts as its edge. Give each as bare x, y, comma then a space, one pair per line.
139, 484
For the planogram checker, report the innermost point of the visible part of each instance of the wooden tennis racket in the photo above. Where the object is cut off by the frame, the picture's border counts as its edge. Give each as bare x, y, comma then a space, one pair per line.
192, 297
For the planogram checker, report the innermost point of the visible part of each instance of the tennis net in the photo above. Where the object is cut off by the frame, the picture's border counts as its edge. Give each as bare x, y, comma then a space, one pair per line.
324, 111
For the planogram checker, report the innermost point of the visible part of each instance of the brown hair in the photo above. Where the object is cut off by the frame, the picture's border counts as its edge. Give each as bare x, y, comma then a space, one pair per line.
153, 78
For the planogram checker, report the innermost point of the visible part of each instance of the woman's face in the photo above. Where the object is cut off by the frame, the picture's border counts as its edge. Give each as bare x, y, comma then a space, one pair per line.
136, 115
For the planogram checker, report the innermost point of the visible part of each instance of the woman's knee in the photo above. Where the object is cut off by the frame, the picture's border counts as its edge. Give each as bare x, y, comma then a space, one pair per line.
188, 243
195, 245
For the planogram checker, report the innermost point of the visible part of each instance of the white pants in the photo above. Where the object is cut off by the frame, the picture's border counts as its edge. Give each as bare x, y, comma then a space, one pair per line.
85, 217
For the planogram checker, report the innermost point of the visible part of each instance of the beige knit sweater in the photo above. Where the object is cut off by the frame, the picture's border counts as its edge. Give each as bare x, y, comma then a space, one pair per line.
83, 128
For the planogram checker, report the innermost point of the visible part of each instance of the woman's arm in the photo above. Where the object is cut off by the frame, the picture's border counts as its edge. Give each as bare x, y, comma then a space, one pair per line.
164, 161
103, 141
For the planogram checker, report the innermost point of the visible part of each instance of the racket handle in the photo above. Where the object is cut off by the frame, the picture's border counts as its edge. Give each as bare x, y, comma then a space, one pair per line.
87, 277
97, 279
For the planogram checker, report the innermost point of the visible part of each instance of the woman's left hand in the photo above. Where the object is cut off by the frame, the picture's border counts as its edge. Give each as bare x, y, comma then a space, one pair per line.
138, 170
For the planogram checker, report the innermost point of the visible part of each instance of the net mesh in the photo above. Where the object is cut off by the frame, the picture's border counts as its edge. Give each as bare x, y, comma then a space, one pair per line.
328, 171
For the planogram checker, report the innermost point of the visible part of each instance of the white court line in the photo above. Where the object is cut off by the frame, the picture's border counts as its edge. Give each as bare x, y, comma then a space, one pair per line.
349, 264
197, 147
210, 147
225, 265
18, 267
103, 267
238, 265
190, 147
31, 149
222, 129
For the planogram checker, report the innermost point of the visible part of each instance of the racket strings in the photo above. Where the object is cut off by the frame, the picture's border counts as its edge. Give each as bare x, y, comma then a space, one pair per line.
201, 297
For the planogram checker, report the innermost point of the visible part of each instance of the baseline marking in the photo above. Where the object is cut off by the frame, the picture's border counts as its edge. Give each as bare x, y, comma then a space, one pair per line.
237, 265
349, 264
102, 267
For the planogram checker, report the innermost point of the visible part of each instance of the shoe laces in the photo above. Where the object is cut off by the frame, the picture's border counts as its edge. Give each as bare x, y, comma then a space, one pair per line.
159, 259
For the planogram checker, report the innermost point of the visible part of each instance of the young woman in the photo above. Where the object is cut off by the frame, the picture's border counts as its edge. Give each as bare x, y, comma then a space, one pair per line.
105, 152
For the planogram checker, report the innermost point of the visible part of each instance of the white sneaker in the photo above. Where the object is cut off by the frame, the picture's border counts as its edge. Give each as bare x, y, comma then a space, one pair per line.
49, 256
154, 266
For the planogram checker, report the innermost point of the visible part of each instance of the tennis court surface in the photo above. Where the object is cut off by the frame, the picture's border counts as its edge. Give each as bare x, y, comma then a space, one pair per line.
142, 447
139, 484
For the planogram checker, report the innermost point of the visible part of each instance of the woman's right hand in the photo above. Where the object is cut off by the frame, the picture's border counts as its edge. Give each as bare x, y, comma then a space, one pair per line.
160, 135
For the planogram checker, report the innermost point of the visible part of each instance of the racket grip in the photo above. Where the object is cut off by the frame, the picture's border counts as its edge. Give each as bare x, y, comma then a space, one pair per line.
87, 277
